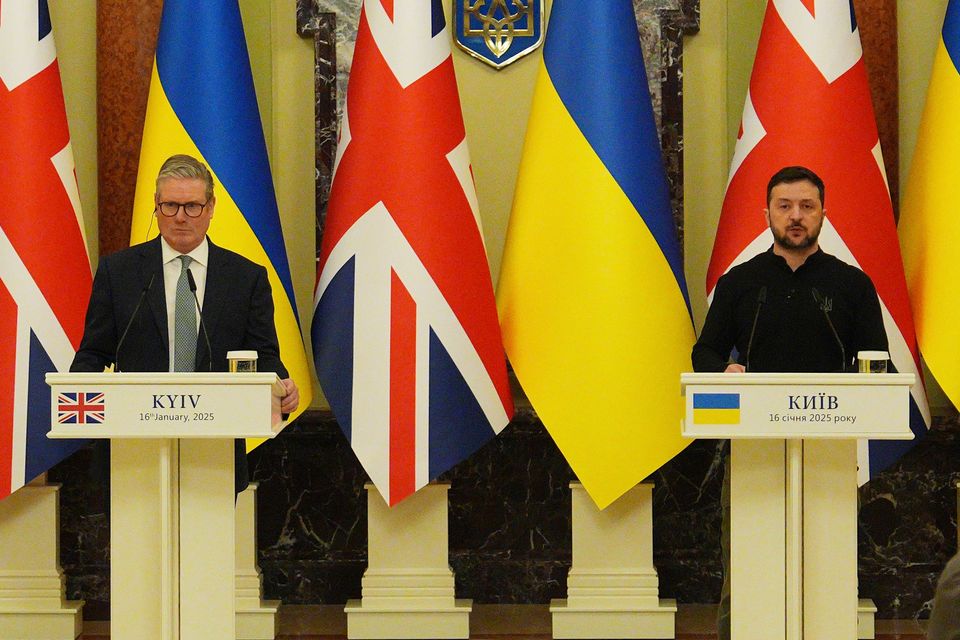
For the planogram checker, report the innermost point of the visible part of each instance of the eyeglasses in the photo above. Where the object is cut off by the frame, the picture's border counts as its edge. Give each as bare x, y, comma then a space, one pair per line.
192, 209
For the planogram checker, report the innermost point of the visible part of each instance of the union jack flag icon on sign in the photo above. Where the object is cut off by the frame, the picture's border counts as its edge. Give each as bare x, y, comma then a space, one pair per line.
80, 408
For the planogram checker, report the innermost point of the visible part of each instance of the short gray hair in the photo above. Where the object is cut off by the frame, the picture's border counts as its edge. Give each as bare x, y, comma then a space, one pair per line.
184, 166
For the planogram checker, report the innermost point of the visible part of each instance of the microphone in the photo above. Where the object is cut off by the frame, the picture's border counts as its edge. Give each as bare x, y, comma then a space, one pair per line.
126, 330
827, 306
203, 327
761, 299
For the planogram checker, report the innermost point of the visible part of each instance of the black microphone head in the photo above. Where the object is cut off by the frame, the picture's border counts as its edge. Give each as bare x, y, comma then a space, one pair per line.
816, 296
762, 297
191, 281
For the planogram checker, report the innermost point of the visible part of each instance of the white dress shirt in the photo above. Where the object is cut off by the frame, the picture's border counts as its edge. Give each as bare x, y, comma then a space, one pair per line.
171, 273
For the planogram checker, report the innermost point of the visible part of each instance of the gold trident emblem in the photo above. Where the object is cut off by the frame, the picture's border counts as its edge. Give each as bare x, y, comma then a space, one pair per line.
498, 32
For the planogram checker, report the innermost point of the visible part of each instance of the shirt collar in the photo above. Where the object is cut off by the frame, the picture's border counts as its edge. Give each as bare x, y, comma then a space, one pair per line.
199, 254
811, 260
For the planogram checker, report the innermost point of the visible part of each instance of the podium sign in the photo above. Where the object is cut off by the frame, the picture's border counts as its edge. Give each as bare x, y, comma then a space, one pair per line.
165, 405
172, 552
793, 490
791, 405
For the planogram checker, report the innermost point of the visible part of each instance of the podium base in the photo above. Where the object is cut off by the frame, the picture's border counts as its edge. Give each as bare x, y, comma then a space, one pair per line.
612, 587
408, 587
640, 622
256, 619
27, 622
259, 621
383, 623
866, 612
32, 604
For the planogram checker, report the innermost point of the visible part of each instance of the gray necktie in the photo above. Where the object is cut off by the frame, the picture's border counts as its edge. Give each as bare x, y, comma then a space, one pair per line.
184, 322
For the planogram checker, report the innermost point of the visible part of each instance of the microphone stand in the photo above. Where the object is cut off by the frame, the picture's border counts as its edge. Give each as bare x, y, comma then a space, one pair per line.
761, 299
126, 330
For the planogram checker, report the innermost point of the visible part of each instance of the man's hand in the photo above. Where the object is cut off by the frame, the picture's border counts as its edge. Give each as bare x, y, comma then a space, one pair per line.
734, 367
291, 399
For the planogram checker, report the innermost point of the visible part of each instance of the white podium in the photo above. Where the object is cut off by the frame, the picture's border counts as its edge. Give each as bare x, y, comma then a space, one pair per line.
172, 522
793, 490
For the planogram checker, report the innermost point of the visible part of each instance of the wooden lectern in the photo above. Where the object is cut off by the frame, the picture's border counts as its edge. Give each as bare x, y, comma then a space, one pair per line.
793, 490
172, 521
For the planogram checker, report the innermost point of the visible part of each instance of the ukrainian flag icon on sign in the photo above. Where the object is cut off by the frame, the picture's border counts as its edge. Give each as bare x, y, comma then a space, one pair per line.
716, 408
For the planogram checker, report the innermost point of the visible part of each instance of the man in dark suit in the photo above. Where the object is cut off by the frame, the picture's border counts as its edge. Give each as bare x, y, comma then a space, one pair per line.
233, 292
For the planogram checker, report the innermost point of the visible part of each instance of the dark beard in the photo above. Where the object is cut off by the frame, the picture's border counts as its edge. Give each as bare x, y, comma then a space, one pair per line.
785, 241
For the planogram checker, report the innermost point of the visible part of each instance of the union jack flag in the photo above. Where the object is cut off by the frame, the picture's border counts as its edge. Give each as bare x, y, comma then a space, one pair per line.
405, 331
80, 408
45, 276
809, 104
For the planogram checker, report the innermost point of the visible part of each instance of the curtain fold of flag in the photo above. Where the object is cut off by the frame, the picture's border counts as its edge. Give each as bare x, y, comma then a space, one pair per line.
809, 104
202, 103
405, 332
592, 296
929, 229
45, 276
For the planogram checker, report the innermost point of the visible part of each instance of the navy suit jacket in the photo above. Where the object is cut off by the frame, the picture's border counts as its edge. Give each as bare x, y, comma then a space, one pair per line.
237, 313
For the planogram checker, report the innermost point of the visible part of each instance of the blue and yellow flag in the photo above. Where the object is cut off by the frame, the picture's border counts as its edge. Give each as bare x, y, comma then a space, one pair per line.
716, 408
592, 297
929, 228
202, 103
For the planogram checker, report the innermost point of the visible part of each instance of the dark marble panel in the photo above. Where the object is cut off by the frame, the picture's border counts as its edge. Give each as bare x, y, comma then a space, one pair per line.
663, 25
509, 517
315, 22
312, 514
908, 524
686, 523
84, 533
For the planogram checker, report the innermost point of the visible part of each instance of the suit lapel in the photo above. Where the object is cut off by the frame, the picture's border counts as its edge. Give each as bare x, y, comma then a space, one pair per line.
214, 300
152, 267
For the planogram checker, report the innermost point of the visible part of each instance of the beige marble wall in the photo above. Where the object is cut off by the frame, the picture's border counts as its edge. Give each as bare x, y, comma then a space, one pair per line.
74, 26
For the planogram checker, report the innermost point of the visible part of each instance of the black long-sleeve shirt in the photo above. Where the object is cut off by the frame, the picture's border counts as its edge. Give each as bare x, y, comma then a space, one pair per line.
792, 332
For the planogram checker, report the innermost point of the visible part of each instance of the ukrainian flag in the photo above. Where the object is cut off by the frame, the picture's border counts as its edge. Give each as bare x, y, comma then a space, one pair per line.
592, 297
929, 224
202, 103
716, 408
